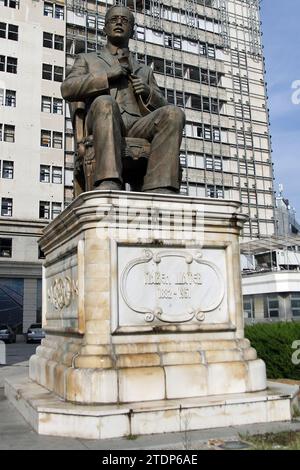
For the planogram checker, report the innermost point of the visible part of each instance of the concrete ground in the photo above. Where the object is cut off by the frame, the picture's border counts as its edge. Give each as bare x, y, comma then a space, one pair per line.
15, 433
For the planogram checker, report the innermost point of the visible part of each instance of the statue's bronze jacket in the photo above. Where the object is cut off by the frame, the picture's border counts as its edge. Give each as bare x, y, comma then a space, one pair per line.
88, 79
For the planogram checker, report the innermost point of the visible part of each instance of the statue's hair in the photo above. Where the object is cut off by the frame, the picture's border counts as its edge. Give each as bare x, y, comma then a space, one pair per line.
131, 15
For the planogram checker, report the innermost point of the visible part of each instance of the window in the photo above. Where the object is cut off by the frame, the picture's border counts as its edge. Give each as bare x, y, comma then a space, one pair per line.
170, 97
207, 132
204, 76
2, 63
10, 98
47, 72
9, 133
214, 106
57, 175
272, 307
248, 307
91, 21
41, 254
44, 212
49, 105
216, 192
100, 23
8, 169
59, 12
211, 52
56, 209
2, 30
58, 74
45, 138
57, 106
13, 32
218, 164
216, 135
206, 106
179, 98
6, 207
46, 104
172, 41
5, 247
209, 163
140, 33
295, 304
45, 173
51, 139
48, 9
200, 132
48, 40
57, 141
10, 3
11, 65
177, 43
178, 69
213, 78
194, 74
196, 102
58, 42
213, 163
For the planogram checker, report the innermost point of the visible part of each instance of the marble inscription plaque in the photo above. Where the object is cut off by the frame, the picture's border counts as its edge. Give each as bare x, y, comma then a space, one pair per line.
172, 285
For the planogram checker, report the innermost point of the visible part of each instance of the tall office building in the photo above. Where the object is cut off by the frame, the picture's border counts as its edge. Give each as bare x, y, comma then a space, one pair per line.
207, 58
32, 60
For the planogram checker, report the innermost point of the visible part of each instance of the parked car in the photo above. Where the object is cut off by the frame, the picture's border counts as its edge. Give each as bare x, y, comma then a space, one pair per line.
7, 334
35, 333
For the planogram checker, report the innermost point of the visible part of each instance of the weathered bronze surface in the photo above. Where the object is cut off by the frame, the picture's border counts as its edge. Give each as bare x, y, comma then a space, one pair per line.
120, 101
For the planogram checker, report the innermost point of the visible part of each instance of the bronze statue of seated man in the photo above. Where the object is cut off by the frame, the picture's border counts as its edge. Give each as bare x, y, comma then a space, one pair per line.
122, 99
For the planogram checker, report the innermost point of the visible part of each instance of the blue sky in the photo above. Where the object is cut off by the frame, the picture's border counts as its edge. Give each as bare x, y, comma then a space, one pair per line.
281, 39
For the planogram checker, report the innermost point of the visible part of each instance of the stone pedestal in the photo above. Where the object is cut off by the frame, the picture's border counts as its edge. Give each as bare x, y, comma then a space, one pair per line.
142, 304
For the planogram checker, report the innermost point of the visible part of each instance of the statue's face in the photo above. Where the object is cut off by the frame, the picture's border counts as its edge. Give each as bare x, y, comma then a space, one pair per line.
118, 25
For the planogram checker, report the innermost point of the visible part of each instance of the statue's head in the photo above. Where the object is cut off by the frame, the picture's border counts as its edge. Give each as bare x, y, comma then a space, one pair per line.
119, 24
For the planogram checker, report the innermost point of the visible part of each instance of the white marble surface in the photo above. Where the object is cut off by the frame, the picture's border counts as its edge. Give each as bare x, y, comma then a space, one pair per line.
171, 285
143, 301
2, 353
48, 415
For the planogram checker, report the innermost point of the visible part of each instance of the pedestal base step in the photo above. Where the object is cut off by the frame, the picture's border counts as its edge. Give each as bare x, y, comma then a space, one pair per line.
49, 415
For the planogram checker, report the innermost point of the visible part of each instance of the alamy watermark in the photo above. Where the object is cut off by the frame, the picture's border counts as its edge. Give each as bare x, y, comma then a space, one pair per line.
296, 93
123, 220
296, 354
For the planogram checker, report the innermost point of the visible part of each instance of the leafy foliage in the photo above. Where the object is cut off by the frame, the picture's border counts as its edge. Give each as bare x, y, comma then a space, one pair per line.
273, 343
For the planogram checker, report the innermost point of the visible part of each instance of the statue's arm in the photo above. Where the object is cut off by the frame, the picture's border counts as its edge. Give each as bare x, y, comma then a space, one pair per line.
80, 84
156, 99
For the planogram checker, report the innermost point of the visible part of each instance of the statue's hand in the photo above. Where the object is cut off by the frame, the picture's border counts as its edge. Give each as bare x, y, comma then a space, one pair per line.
140, 87
117, 71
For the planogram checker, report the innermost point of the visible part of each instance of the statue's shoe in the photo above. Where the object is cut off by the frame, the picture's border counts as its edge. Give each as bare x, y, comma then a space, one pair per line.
162, 191
109, 185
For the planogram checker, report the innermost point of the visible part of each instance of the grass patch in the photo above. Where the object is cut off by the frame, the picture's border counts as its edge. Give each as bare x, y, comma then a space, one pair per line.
131, 437
289, 440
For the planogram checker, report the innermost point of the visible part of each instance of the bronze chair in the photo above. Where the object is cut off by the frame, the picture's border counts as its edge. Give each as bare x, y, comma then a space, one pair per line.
135, 154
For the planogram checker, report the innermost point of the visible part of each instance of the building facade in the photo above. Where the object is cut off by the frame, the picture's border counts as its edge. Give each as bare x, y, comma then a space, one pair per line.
207, 57
32, 60
271, 270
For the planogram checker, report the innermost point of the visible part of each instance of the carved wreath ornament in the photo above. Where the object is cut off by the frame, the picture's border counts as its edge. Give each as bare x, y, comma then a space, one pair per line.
158, 313
62, 292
